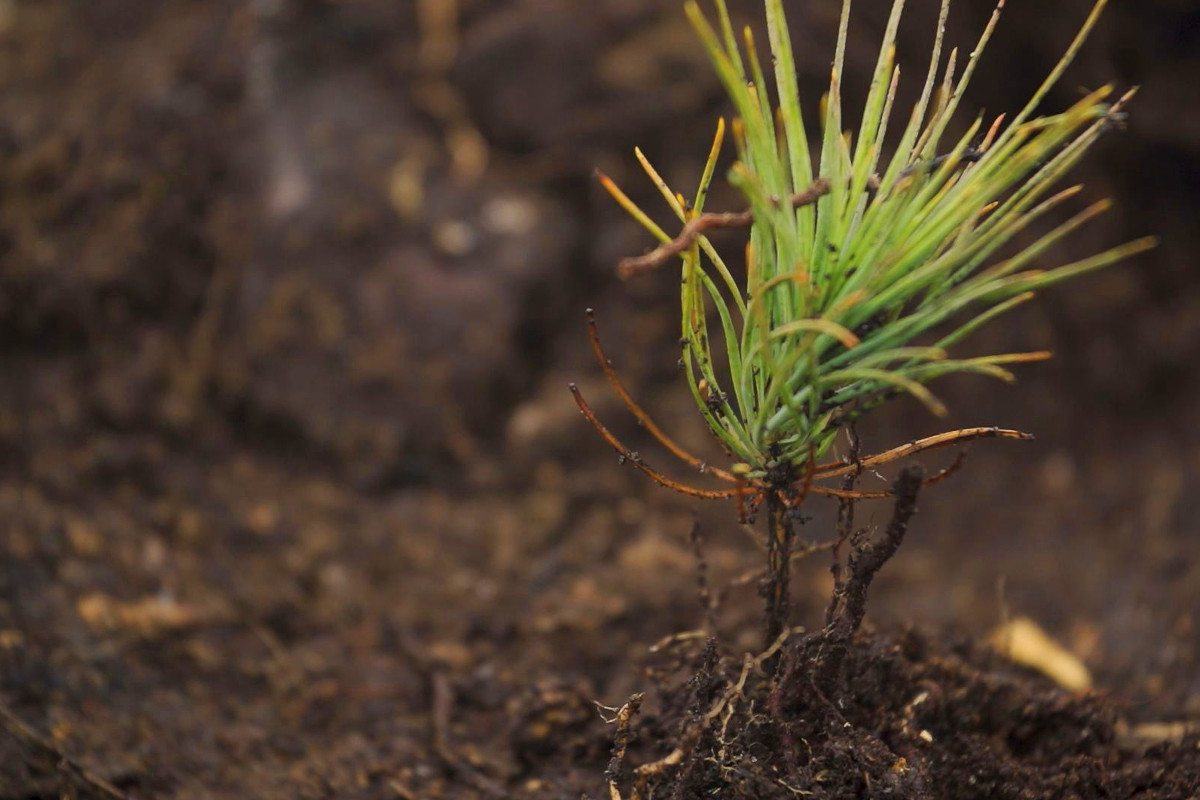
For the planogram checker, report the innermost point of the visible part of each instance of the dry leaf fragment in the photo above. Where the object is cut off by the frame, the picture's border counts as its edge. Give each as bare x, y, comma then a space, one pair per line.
1022, 640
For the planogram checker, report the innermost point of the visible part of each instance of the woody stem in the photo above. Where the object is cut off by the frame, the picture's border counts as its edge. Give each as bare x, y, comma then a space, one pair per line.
779, 552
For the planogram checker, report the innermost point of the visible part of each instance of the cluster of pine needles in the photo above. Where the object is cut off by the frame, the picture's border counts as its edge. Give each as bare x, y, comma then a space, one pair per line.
861, 248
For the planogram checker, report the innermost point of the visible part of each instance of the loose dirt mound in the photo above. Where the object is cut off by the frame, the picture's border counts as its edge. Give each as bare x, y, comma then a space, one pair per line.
917, 717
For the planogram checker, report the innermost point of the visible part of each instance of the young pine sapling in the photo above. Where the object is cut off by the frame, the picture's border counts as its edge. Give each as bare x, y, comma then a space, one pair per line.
868, 260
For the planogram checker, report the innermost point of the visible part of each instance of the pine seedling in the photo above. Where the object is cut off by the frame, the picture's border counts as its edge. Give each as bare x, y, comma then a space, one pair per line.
869, 257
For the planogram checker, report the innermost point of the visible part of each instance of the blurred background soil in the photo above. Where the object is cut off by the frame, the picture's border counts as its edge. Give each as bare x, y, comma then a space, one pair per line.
293, 499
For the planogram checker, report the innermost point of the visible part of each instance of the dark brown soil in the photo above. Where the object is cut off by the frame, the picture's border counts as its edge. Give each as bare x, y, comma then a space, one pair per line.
921, 717
294, 502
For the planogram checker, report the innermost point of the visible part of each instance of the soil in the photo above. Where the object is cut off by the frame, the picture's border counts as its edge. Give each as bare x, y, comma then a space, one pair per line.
294, 502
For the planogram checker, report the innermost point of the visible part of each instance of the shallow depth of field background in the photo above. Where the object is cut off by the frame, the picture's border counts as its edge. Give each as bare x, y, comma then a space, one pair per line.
290, 293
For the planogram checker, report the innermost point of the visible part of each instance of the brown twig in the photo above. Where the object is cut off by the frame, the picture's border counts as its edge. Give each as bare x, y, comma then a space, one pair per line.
638, 265
443, 709
23, 733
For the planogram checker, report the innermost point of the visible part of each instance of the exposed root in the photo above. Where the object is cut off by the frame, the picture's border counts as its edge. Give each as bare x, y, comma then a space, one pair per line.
644, 773
621, 739
922, 718
672, 639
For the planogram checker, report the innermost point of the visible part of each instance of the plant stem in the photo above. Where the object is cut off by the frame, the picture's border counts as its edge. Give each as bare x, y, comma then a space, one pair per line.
865, 564
779, 556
